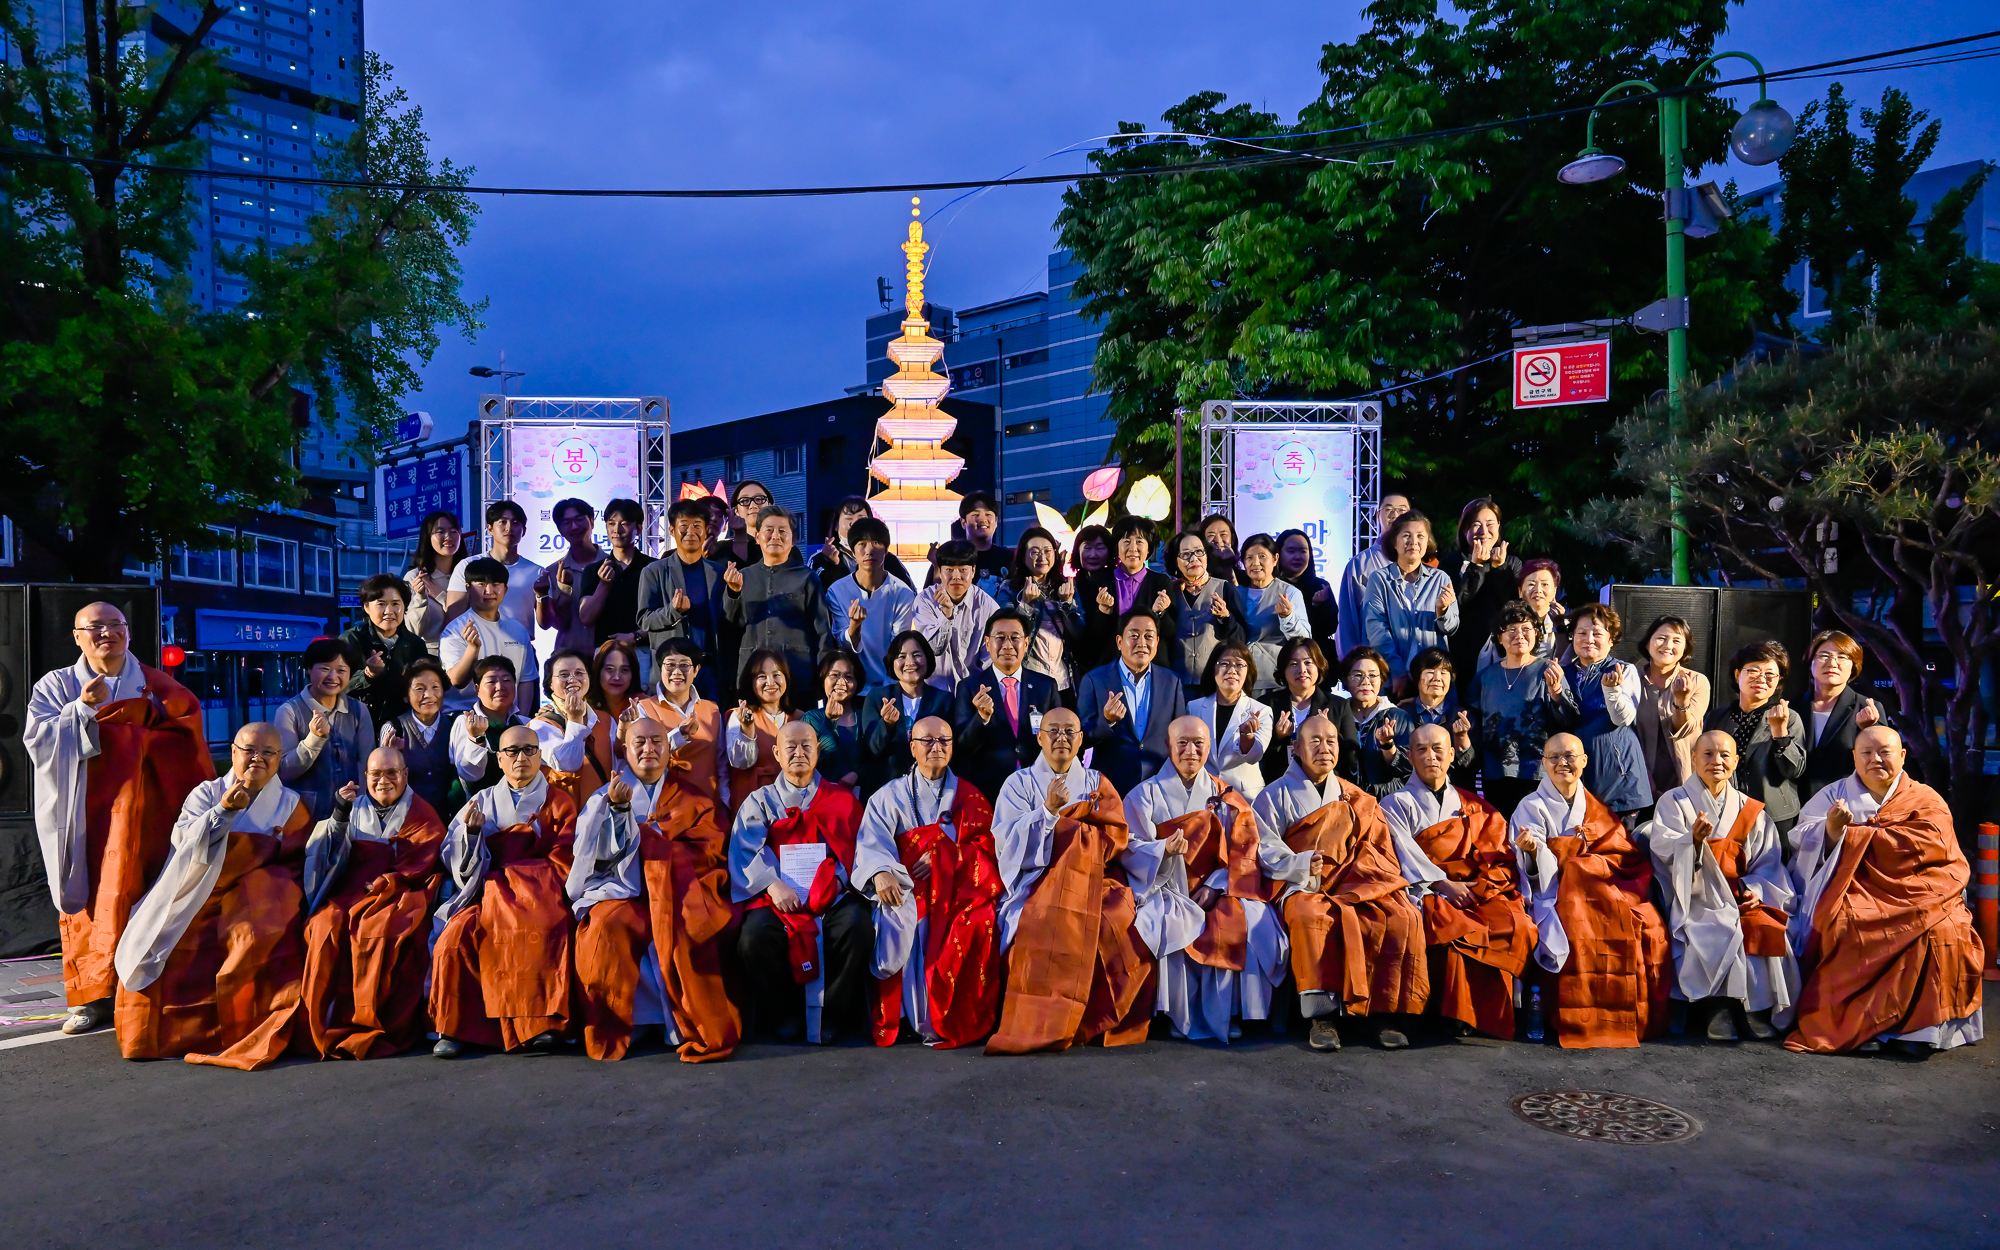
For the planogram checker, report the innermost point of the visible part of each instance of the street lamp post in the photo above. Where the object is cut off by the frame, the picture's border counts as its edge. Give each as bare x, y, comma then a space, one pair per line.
503, 373
1761, 135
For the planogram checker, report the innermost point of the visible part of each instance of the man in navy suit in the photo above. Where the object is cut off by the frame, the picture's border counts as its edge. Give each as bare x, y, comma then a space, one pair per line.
998, 709
1127, 705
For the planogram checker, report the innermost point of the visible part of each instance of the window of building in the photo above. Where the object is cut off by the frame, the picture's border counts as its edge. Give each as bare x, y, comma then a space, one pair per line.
357, 564
272, 563
316, 567
6, 541
1815, 303
217, 567
135, 567
732, 469
1042, 495
1020, 428
791, 459
1038, 357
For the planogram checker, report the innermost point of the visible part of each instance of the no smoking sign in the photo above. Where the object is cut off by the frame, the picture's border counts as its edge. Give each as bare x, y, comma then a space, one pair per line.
1562, 373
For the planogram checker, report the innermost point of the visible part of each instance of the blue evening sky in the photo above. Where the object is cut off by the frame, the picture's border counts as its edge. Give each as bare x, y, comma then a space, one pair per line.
734, 308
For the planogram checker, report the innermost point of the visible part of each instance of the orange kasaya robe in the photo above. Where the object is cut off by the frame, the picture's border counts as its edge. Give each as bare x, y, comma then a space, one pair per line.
1357, 937
500, 970
1078, 968
599, 763
963, 963
685, 915
1892, 948
1212, 844
1477, 952
368, 945
152, 753
1612, 992
702, 752
229, 993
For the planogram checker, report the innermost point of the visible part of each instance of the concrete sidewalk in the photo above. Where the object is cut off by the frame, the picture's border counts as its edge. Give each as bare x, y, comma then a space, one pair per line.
1264, 1144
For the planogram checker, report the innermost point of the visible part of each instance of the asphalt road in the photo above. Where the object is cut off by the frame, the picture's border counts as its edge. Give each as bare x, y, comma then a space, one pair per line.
1265, 1144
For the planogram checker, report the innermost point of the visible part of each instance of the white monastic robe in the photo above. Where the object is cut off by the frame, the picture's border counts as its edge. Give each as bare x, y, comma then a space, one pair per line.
61, 737
1813, 868
1546, 814
1024, 835
1197, 999
608, 867
1704, 922
909, 802
201, 842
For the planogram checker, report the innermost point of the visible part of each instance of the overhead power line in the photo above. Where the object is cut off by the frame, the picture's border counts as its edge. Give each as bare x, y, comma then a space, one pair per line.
1265, 157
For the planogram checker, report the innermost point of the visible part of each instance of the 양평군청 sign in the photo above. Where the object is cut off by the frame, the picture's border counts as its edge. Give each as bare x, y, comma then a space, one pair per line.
1294, 478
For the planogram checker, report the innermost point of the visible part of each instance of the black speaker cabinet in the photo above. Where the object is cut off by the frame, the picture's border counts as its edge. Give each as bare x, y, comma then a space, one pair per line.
1639, 606
1721, 620
1781, 616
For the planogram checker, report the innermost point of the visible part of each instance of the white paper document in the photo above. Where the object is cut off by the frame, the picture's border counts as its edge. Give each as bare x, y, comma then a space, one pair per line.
798, 864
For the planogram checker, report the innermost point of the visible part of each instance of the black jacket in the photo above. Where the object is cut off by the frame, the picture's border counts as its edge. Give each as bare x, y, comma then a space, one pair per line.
1482, 591
1832, 757
1278, 755
987, 753
1100, 628
885, 748
383, 695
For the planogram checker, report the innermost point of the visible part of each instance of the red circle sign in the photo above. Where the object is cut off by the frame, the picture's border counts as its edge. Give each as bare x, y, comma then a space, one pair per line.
1539, 371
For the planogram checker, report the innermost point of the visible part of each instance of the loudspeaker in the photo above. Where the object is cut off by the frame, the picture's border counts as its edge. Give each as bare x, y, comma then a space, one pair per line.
1782, 616
1639, 606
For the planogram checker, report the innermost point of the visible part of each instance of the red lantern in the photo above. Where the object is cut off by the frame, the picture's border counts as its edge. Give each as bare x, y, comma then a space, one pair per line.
171, 656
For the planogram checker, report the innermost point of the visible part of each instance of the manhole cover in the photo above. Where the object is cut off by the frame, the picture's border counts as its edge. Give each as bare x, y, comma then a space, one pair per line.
1595, 1115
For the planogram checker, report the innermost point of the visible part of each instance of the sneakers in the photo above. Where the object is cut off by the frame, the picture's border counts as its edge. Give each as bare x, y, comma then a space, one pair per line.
1722, 1024
1760, 1024
446, 1049
1392, 1039
1324, 1036
88, 1018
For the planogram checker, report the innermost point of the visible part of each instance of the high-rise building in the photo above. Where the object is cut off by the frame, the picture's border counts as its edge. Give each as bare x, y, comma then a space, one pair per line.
1030, 357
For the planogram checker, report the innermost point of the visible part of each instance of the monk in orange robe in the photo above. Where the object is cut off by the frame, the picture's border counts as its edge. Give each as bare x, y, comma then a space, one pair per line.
116, 746
371, 880
650, 888
211, 959
1326, 855
1590, 891
500, 970
1454, 848
1077, 968
1885, 940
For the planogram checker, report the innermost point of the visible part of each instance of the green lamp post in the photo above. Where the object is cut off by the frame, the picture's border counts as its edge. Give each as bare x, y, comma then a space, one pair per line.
1761, 135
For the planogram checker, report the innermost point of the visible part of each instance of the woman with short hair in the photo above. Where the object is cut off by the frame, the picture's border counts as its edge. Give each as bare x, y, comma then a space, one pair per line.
1210, 611
1239, 726
1770, 736
890, 712
1607, 698
1522, 699
1274, 611
1487, 576
1046, 599
1673, 700
1408, 604
326, 734
837, 719
1302, 693
1839, 710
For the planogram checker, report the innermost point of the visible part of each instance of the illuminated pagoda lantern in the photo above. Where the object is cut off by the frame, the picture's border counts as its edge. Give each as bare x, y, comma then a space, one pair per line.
909, 471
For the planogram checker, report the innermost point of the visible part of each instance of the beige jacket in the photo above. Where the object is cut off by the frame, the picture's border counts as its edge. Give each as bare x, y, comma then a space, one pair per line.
1656, 721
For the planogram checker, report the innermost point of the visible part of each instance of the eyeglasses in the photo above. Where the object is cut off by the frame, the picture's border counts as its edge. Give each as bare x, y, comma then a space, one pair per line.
1062, 735
119, 628
517, 752
253, 753
676, 668
753, 501
380, 774
932, 744
1570, 759
1231, 666
1188, 556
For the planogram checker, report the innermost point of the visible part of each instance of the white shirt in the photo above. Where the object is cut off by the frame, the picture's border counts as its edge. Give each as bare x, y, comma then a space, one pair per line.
890, 608
519, 605
504, 636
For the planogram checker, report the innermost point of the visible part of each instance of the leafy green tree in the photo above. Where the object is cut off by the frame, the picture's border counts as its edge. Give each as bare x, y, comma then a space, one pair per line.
130, 416
1872, 474
1392, 267
1845, 212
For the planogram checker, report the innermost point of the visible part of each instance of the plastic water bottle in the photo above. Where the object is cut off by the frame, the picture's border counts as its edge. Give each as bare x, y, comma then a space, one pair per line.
1534, 1013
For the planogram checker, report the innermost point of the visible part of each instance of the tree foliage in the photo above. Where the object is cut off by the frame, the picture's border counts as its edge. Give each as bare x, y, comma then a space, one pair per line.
1399, 268
131, 416
1872, 473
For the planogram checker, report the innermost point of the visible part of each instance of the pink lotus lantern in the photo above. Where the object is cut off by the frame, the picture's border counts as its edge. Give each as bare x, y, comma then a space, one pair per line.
1102, 484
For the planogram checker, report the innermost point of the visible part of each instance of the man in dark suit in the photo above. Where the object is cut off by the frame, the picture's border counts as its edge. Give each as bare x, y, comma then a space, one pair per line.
998, 709
1127, 705
1106, 595
681, 596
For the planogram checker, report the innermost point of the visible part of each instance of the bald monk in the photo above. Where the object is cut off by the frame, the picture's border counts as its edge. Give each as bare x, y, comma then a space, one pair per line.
1720, 862
808, 938
1326, 854
925, 857
500, 966
650, 888
1220, 946
1884, 938
115, 747
1077, 968
371, 879
1589, 889
210, 962
1454, 851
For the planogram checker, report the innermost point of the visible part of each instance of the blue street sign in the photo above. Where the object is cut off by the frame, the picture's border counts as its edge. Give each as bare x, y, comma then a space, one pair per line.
408, 491
415, 427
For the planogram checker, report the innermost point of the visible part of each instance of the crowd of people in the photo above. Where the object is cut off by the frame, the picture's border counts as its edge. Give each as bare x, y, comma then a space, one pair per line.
1043, 798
